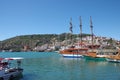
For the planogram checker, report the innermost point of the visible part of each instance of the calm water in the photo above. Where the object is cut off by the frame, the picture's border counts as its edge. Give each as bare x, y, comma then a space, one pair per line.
52, 66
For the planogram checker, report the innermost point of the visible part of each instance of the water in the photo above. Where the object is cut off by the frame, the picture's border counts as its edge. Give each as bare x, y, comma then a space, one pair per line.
52, 66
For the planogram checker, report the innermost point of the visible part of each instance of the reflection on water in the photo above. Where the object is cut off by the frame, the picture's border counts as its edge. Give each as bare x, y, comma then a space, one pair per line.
69, 69
52, 66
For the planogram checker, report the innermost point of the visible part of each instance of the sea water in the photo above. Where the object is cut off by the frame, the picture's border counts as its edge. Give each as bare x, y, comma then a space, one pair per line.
52, 66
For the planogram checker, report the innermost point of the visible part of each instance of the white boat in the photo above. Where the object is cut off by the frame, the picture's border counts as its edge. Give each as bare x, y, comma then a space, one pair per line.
113, 60
8, 71
72, 55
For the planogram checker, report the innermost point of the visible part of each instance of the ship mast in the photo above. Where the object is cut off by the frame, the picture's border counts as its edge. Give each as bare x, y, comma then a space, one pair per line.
80, 31
91, 26
71, 31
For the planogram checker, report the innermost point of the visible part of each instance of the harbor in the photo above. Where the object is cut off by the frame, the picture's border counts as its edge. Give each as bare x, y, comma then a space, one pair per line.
74, 55
59, 40
8, 69
71, 56
52, 66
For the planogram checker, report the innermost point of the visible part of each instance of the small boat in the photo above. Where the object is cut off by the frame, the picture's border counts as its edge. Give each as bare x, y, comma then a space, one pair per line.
8, 71
114, 58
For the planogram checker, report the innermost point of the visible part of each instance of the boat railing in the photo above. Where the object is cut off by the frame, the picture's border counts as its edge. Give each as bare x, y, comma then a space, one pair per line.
103, 50
108, 50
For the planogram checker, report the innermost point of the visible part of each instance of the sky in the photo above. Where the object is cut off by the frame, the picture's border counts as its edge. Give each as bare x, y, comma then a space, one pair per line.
27, 17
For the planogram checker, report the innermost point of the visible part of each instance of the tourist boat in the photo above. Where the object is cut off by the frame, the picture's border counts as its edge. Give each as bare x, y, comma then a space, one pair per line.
101, 54
95, 56
93, 53
8, 71
74, 51
114, 58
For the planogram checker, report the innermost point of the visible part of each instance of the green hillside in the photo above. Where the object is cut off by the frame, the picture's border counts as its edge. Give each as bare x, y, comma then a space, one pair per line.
17, 43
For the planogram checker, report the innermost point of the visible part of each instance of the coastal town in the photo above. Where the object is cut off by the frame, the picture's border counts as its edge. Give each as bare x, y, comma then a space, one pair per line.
60, 40
55, 43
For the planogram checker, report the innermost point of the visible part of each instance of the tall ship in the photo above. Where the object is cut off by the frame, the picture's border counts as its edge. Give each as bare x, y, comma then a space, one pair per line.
74, 50
97, 52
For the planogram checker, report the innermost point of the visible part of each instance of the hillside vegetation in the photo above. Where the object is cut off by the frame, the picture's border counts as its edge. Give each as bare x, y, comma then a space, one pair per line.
17, 43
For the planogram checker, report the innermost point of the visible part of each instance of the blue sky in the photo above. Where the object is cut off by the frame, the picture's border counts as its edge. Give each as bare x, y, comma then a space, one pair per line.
24, 17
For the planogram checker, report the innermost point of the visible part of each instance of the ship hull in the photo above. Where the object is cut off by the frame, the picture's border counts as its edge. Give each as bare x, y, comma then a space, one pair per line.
72, 55
94, 58
113, 60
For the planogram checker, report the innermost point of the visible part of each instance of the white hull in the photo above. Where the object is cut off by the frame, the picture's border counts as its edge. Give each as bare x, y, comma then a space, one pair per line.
72, 55
8, 72
112, 60
102, 56
6, 75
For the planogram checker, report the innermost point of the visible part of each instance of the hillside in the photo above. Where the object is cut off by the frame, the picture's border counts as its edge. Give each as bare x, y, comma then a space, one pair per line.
17, 43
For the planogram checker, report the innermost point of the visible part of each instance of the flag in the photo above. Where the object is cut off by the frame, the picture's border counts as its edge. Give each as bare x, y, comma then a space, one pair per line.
91, 24
71, 26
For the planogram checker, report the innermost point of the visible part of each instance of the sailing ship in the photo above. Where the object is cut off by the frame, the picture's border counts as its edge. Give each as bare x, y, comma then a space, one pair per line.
93, 50
76, 50
97, 53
